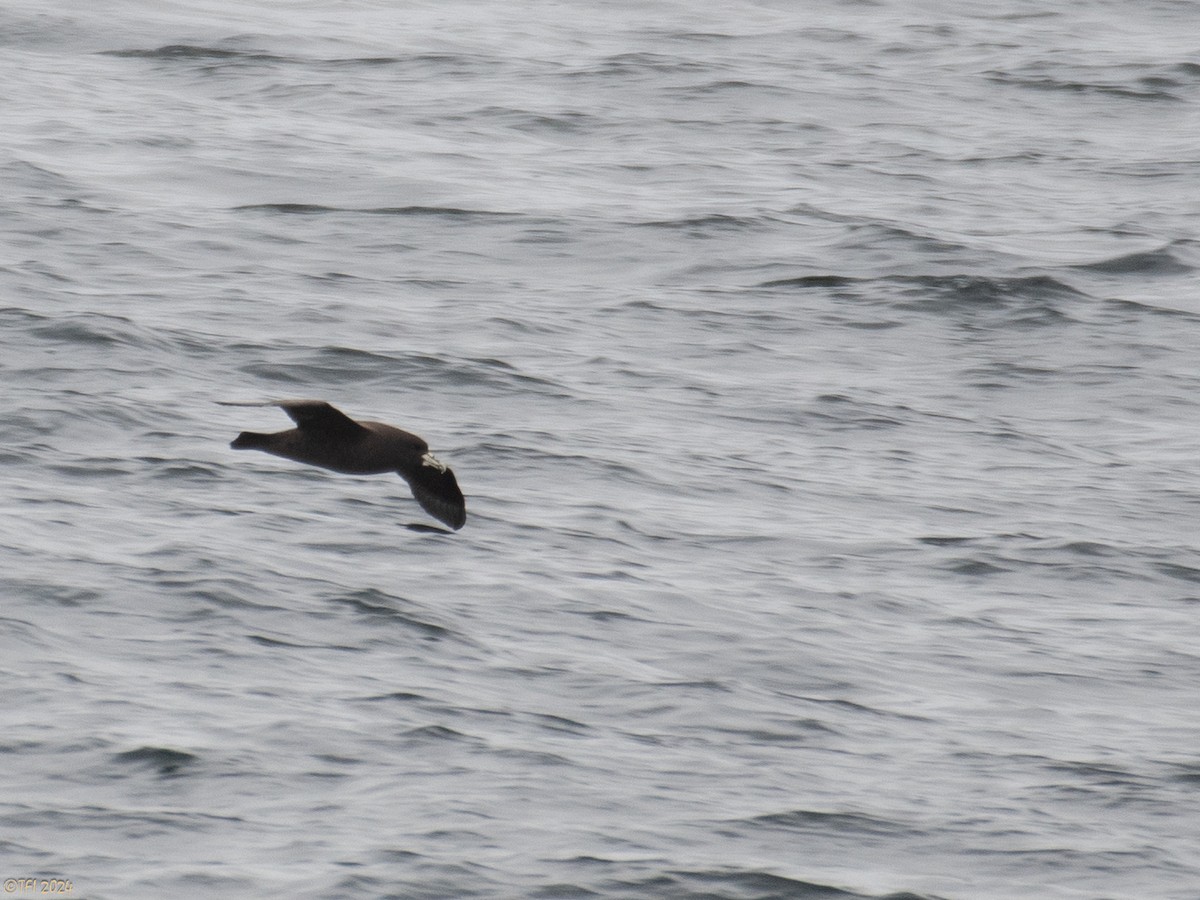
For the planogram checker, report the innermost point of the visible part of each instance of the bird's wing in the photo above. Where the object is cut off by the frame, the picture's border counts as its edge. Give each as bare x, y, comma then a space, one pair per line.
319, 416
436, 489
311, 415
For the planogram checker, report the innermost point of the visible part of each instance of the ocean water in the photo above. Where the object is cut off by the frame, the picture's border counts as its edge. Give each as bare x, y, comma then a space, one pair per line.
822, 379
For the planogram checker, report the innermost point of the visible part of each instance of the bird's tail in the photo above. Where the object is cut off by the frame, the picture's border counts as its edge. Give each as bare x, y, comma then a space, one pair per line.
250, 440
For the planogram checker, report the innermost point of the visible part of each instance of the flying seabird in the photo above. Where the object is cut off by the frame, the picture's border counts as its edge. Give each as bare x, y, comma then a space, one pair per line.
328, 438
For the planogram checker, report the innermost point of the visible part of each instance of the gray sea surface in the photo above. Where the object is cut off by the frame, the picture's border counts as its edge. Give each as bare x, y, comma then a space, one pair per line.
823, 379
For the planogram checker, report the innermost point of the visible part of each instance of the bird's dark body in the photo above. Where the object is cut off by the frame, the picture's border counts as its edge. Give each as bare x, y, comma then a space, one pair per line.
329, 439
371, 452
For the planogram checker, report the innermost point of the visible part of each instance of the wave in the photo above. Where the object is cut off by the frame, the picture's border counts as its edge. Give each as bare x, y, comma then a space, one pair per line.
829, 823
734, 884
163, 760
383, 609
192, 51
1028, 300
1163, 261
702, 225
1156, 84
457, 63
332, 365
316, 209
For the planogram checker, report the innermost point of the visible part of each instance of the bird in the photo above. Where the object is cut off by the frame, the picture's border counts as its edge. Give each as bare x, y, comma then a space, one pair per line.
328, 438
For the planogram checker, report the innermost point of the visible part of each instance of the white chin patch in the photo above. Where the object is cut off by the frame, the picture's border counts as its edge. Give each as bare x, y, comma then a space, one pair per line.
429, 460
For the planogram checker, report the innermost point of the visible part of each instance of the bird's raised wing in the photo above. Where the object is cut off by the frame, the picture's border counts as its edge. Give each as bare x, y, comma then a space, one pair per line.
315, 416
319, 416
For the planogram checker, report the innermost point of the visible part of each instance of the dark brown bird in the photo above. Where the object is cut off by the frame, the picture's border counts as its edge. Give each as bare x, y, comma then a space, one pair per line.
328, 438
